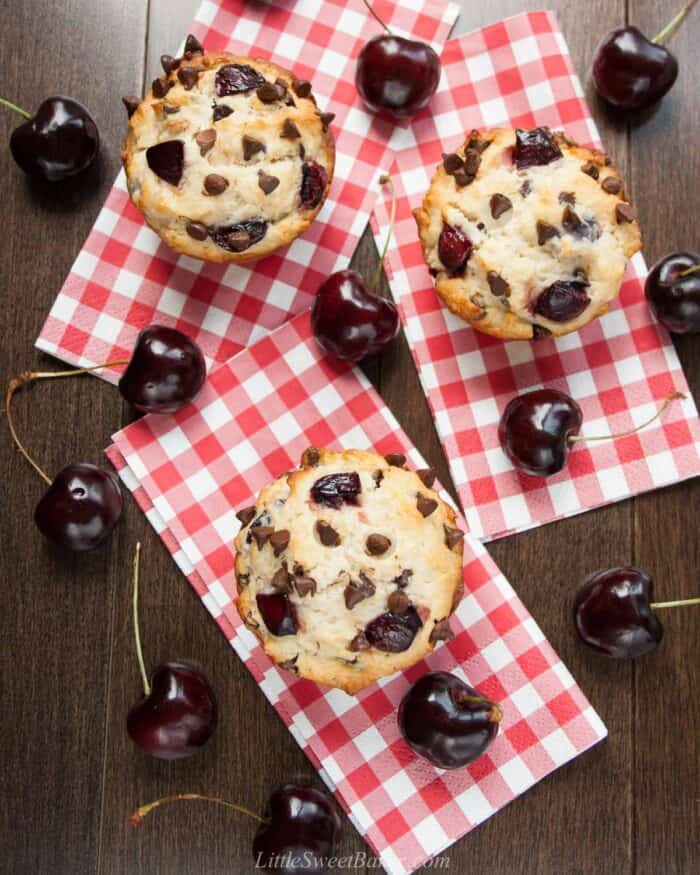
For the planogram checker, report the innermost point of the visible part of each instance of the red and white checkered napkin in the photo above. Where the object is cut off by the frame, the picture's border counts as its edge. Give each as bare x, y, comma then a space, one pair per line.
190, 472
125, 278
518, 73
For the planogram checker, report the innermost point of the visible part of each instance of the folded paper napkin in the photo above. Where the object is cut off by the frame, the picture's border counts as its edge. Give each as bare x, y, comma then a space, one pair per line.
125, 278
191, 471
619, 368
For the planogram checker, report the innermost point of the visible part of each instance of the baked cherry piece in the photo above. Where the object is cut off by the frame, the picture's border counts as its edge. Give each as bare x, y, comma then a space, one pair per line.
393, 633
446, 721
563, 301
58, 142
178, 713
167, 160
165, 373
673, 291
534, 148
454, 249
632, 72
278, 613
314, 180
335, 490
350, 321
396, 75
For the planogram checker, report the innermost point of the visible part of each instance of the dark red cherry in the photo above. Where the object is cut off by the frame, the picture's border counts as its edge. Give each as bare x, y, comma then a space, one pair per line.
397, 75
613, 613
165, 373
80, 508
335, 490
167, 160
535, 428
534, 147
673, 296
446, 721
563, 301
236, 79
179, 714
454, 249
314, 180
300, 834
393, 633
278, 613
631, 72
349, 321
59, 141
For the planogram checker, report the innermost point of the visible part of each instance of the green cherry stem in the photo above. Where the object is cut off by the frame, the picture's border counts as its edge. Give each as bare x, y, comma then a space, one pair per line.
673, 24
374, 15
141, 812
694, 269
15, 108
609, 437
137, 629
385, 179
676, 604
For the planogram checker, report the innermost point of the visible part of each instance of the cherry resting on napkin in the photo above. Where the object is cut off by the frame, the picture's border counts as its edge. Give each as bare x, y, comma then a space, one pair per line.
673, 291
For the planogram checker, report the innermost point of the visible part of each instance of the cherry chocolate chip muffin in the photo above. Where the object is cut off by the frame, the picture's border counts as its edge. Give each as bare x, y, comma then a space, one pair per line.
228, 158
349, 567
526, 233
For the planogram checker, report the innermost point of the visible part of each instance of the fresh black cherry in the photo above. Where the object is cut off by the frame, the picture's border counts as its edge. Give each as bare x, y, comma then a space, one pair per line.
396, 75
446, 721
673, 291
59, 141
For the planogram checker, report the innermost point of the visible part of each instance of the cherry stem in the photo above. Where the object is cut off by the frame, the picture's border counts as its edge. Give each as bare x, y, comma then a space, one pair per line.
374, 15
609, 437
694, 269
385, 179
14, 107
673, 24
676, 604
137, 628
26, 379
140, 813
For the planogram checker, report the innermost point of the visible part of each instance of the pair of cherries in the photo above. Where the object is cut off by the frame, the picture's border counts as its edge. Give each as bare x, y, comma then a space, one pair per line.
83, 502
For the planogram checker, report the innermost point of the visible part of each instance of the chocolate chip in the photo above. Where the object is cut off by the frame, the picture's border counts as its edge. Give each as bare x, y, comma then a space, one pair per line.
624, 213
188, 76
396, 460
281, 86
302, 151
310, 457
425, 505
526, 188
261, 535
279, 541
357, 591
131, 103
472, 160
480, 226
327, 534
590, 169
567, 197
251, 147
453, 537
570, 220
170, 109
611, 185
282, 580
359, 642
427, 475
377, 544
290, 664
214, 183
267, 92
289, 130
452, 162
205, 140
290, 102
198, 231
238, 241
160, 87
403, 578
193, 45
248, 513
398, 602
499, 204
545, 232
441, 632
326, 119
305, 586
267, 183
221, 111
301, 87
499, 287
168, 63
462, 178
539, 332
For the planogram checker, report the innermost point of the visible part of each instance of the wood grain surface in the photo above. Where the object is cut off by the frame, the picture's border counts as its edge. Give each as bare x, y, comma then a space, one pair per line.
69, 774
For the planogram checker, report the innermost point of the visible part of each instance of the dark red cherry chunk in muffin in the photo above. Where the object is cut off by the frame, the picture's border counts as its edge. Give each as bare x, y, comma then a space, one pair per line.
534, 148
334, 490
314, 180
393, 633
278, 613
167, 160
454, 249
563, 301
236, 79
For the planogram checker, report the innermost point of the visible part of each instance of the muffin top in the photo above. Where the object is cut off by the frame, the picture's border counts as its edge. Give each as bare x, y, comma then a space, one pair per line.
349, 567
228, 157
526, 233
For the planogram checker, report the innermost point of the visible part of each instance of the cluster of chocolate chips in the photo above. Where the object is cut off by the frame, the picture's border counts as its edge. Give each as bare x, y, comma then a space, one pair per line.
624, 212
464, 170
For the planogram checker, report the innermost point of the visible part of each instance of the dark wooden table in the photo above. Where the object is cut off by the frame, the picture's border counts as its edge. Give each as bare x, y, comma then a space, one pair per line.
69, 774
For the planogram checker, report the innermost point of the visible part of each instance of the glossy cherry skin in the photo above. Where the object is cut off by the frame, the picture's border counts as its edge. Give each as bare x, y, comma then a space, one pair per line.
302, 830
446, 721
165, 373
631, 72
180, 714
80, 508
397, 75
59, 141
349, 321
535, 428
675, 299
613, 613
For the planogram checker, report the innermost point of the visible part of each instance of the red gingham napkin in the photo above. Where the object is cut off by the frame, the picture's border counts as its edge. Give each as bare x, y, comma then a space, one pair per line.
619, 368
190, 472
125, 278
